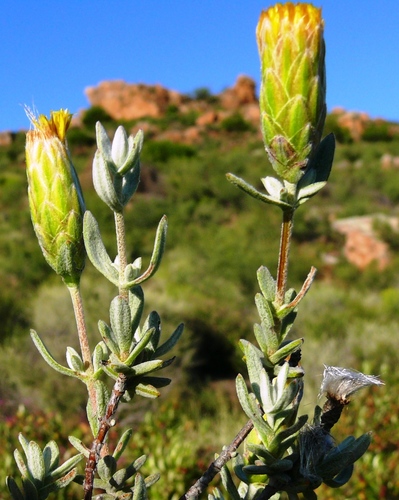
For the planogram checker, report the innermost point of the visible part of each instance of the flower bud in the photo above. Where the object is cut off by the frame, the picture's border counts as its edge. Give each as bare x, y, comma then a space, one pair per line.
293, 85
55, 197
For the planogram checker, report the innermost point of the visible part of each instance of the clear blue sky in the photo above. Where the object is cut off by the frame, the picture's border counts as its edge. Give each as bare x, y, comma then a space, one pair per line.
51, 50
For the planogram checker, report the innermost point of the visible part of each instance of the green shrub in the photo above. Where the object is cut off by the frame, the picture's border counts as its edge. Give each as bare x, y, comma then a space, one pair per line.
162, 151
95, 114
377, 131
235, 123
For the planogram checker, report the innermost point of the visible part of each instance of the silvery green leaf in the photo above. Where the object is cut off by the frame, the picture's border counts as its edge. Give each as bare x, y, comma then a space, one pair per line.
135, 145
104, 183
133, 270
171, 342
247, 188
151, 479
100, 354
35, 461
108, 336
119, 478
74, 360
120, 147
139, 462
252, 410
67, 466
307, 192
96, 250
13, 489
139, 346
253, 360
262, 338
140, 489
228, 483
286, 350
77, 443
136, 304
149, 366
267, 283
48, 358
103, 142
20, 463
273, 186
51, 456
147, 391
260, 451
62, 482
153, 320
122, 443
120, 319
106, 467
130, 183
284, 439
156, 257
268, 323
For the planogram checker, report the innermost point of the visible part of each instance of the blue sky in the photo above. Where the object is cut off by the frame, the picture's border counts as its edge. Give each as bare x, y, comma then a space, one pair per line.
51, 50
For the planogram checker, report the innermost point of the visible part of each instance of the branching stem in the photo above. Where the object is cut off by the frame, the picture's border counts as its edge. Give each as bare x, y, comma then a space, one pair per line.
216, 466
106, 422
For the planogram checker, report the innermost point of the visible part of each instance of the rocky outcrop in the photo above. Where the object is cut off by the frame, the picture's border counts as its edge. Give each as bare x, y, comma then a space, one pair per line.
130, 101
362, 245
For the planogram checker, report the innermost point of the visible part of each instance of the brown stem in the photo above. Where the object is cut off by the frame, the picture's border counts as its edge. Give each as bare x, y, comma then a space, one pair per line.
77, 303
285, 243
106, 423
216, 466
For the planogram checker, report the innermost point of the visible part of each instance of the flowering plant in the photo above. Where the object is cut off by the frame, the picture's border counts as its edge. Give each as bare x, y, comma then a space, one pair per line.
282, 452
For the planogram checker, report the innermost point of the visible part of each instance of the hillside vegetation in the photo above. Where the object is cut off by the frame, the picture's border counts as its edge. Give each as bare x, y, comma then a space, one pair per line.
217, 239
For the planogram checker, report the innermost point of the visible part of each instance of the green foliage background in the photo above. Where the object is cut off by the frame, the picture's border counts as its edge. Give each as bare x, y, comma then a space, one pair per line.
217, 239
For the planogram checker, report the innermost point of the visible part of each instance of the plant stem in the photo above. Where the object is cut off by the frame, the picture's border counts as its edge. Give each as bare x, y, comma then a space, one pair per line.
285, 244
121, 245
77, 303
106, 422
216, 466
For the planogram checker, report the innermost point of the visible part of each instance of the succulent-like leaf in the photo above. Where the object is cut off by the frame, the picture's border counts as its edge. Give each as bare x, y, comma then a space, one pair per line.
253, 360
252, 410
268, 323
122, 443
120, 318
77, 443
103, 182
267, 283
286, 350
51, 456
108, 337
140, 489
140, 346
74, 360
48, 357
247, 188
12, 486
228, 483
171, 342
96, 250
157, 253
106, 467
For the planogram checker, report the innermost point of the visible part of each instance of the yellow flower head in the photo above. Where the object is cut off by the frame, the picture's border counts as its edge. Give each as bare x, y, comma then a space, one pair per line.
55, 197
293, 85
